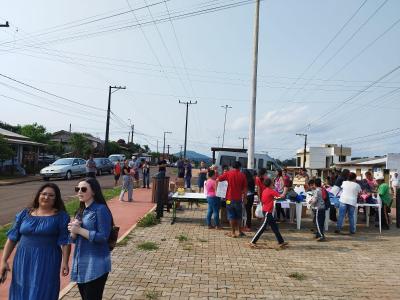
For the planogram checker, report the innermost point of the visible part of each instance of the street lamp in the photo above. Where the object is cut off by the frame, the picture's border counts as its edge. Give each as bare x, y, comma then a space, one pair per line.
226, 106
165, 132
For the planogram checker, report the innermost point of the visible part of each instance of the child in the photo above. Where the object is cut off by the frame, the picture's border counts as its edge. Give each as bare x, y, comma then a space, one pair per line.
267, 199
214, 202
318, 204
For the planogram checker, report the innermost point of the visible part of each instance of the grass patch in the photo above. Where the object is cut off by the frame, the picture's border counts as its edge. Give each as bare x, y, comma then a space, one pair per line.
152, 295
147, 246
124, 241
188, 247
298, 276
182, 238
3, 236
148, 220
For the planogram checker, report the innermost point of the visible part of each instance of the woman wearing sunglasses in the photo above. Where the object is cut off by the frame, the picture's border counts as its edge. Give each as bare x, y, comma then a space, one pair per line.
43, 247
90, 231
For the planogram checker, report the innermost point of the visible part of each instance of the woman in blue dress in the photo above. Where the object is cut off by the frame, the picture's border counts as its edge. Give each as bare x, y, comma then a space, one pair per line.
90, 231
43, 248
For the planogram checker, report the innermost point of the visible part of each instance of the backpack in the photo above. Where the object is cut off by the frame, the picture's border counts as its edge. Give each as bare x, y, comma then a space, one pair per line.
325, 197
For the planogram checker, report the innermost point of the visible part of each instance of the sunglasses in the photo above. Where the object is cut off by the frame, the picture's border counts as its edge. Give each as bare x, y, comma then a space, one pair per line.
82, 189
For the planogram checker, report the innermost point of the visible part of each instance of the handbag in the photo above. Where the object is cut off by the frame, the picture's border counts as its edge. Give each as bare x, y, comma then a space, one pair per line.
112, 239
259, 212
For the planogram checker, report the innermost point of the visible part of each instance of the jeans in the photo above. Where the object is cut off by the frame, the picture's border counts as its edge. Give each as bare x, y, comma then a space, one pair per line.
127, 185
188, 182
146, 179
343, 208
214, 204
93, 290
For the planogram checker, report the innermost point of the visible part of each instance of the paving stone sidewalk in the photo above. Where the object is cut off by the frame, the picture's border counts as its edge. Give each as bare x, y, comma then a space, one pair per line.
210, 265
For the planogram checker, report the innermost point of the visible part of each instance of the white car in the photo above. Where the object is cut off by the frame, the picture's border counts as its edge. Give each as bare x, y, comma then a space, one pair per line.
64, 168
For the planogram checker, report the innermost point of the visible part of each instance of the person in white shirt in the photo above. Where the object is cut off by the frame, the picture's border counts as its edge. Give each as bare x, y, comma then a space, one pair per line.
348, 202
395, 184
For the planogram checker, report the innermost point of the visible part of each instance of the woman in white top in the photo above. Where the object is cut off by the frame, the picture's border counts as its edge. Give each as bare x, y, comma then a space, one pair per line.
348, 202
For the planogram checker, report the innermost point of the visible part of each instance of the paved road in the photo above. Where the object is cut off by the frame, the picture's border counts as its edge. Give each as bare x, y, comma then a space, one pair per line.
15, 197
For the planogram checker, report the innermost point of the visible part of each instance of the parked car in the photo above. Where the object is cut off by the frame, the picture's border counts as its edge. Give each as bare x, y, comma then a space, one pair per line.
64, 168
114, 157
103, 165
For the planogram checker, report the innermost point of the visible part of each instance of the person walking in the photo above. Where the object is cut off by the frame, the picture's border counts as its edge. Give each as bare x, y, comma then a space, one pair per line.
348, 202
318, 205
214, 202
91, 168
146, 174
267, 199
42, 239
90, 231
127, 182
236, 193
117, 172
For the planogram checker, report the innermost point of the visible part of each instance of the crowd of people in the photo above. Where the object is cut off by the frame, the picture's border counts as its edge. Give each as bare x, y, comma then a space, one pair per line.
43, 233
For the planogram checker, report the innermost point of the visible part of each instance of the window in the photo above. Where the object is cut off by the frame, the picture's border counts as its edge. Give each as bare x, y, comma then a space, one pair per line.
227, 160
298, 163
243, 161
260, 163
342, 158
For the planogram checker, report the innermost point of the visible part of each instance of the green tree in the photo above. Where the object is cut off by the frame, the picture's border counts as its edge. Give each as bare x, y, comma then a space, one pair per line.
35, 132
6, 152
54, 148
80, 145
113, 148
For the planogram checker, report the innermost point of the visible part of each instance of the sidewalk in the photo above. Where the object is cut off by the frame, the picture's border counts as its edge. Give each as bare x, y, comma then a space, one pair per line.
19, 180
126, 215
210, 265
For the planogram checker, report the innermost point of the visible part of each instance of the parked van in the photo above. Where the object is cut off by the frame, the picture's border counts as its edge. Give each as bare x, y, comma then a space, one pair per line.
114, 157
227, 158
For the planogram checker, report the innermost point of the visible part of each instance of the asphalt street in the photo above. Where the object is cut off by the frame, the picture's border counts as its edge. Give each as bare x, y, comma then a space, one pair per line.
13, 198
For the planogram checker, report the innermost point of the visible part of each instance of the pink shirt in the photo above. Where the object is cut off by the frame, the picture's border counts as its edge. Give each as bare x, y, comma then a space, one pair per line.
210, 187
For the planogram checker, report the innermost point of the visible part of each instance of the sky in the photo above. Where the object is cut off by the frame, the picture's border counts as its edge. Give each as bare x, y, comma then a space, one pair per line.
328, 69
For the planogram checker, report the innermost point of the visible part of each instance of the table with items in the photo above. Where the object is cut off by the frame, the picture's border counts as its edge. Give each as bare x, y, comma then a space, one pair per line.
186, 197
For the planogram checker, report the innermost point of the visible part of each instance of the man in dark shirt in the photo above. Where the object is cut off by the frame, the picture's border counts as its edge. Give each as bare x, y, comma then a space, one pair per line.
181, 168
162, 166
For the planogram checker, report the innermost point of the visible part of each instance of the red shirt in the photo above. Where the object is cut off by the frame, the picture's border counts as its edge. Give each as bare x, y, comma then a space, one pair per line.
267, 199
237, 184
260, 184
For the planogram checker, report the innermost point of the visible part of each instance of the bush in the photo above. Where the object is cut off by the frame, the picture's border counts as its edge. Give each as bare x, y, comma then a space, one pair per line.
148, 220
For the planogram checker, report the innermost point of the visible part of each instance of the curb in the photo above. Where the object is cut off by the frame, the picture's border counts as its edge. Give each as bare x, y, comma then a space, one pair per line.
65, 290
6, 183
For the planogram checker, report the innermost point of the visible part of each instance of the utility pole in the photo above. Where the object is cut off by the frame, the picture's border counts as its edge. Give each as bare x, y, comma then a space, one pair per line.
5, 25
110, 88
226, 106
70, 128
243, 138
186, 124
252, 127
168, 150
165, 132
133, 130
305, 148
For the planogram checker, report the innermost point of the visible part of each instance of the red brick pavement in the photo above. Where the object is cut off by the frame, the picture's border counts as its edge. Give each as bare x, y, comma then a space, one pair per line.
126, 215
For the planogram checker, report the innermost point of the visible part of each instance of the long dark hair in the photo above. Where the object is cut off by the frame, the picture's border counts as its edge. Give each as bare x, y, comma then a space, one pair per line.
58, 202
98, 196
250, 179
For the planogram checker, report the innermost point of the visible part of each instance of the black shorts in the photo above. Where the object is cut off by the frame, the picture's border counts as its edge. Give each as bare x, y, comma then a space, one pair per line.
116, 177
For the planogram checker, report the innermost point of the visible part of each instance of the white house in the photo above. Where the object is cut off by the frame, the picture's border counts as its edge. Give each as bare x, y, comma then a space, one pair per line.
323, 157
385, 165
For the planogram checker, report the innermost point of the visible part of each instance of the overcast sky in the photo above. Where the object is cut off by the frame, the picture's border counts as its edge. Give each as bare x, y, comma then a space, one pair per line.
326, 68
